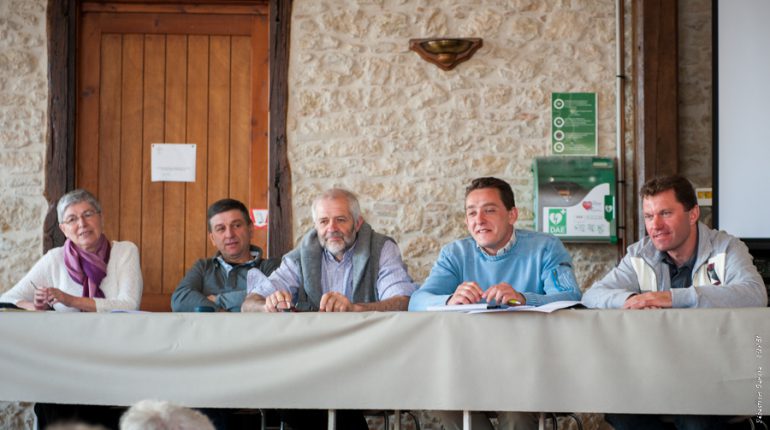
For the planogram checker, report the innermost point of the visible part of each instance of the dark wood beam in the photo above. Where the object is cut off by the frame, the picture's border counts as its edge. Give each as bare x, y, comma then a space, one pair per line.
279, 238
656, 91
62, 85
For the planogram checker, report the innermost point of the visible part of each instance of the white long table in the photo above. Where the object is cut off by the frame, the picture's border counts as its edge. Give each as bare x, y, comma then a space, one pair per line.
658, 361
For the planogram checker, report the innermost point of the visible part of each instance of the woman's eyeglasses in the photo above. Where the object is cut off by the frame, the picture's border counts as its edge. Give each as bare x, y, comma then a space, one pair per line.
73, 219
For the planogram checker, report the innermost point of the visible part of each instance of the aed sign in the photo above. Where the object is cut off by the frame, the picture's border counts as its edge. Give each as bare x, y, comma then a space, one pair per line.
574, 124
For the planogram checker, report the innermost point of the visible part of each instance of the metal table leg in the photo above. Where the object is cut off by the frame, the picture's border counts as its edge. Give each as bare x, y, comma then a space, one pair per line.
466, 420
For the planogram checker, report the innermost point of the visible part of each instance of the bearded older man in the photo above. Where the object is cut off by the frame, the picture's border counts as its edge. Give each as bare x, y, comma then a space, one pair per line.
341, 265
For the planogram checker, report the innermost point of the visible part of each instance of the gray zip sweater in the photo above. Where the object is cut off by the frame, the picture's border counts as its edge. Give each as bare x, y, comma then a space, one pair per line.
723, 276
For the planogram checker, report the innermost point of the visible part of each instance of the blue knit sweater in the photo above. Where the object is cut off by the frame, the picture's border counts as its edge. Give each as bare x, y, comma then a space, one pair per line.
537, 265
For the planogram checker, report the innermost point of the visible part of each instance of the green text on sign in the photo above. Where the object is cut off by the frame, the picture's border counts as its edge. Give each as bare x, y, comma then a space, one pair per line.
573, 124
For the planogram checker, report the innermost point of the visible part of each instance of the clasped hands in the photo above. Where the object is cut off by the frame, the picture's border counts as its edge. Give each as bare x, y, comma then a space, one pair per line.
281, 301
649, 300
469, 292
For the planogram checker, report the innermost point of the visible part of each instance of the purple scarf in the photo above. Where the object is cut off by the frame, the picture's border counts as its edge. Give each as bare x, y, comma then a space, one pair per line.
88, 269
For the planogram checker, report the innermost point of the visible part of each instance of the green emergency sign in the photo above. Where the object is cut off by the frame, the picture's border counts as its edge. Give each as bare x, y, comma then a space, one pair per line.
573, 124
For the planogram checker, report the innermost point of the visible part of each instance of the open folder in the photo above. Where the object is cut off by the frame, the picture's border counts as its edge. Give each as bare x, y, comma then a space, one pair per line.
484, 307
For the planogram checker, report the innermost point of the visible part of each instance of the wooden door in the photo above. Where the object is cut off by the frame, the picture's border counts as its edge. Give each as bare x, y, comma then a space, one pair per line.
155, 73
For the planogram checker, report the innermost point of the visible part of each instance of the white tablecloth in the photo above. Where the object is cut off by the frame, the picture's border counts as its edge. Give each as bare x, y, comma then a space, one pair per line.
708, 361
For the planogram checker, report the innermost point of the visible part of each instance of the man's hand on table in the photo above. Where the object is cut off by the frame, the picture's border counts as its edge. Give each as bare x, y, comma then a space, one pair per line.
503, 294
335, 302
465, 294
279, 301
651, 300
469, 292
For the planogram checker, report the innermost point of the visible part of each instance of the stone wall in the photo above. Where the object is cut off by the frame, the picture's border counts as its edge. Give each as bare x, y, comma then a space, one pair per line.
23, 134
368, 114
695, 93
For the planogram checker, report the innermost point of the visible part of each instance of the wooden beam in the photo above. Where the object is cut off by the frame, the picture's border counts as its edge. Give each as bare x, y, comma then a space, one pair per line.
60, 153
656, 92
280, 218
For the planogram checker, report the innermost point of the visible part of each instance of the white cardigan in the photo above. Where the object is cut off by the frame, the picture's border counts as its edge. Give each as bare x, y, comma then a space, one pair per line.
122, 287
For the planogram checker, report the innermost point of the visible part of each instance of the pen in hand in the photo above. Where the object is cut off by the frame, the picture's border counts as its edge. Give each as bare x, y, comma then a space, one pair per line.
44, 302
42, 289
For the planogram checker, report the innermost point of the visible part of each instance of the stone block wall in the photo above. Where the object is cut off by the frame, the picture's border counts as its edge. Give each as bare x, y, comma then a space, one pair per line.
23, 134
695, 87
368, 114
695, 95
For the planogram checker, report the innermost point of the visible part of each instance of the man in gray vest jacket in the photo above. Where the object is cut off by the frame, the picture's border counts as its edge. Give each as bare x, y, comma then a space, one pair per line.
680, 264
341, 265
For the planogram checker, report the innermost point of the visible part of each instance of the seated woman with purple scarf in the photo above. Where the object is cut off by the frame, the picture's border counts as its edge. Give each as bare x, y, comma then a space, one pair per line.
88, 273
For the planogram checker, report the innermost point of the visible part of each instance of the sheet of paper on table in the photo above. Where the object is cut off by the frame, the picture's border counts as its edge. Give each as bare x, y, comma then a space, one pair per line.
477, 308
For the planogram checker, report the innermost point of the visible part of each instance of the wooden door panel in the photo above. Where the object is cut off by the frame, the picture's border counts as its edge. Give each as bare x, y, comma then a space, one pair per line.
197, 131
172, 23
87, 133
240, 115
155, 77
108, 169
219, 120
174, 192
132, 96
151, 247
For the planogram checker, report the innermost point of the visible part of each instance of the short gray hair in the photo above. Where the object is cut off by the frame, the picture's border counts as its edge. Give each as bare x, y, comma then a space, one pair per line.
76, 196
337, 193
66, 425
163, 415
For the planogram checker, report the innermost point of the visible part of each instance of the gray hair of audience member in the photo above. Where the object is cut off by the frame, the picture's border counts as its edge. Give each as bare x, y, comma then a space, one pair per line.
163, 415
339, 193
76, 196
74, 426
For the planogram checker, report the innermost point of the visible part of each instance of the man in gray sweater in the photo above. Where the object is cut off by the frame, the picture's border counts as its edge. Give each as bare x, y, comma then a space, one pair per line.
219, 283
680, 264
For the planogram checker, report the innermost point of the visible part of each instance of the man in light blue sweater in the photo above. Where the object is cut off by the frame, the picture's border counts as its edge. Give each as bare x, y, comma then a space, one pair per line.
500, 265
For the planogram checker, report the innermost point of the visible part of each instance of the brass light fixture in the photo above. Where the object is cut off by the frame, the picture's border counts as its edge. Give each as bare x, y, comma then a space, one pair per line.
446, 52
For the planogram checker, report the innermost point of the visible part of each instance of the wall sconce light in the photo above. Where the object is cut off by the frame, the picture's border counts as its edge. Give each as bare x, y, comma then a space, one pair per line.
446, 52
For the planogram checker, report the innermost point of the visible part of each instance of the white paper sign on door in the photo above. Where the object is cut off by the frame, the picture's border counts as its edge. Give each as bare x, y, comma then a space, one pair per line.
173, 162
